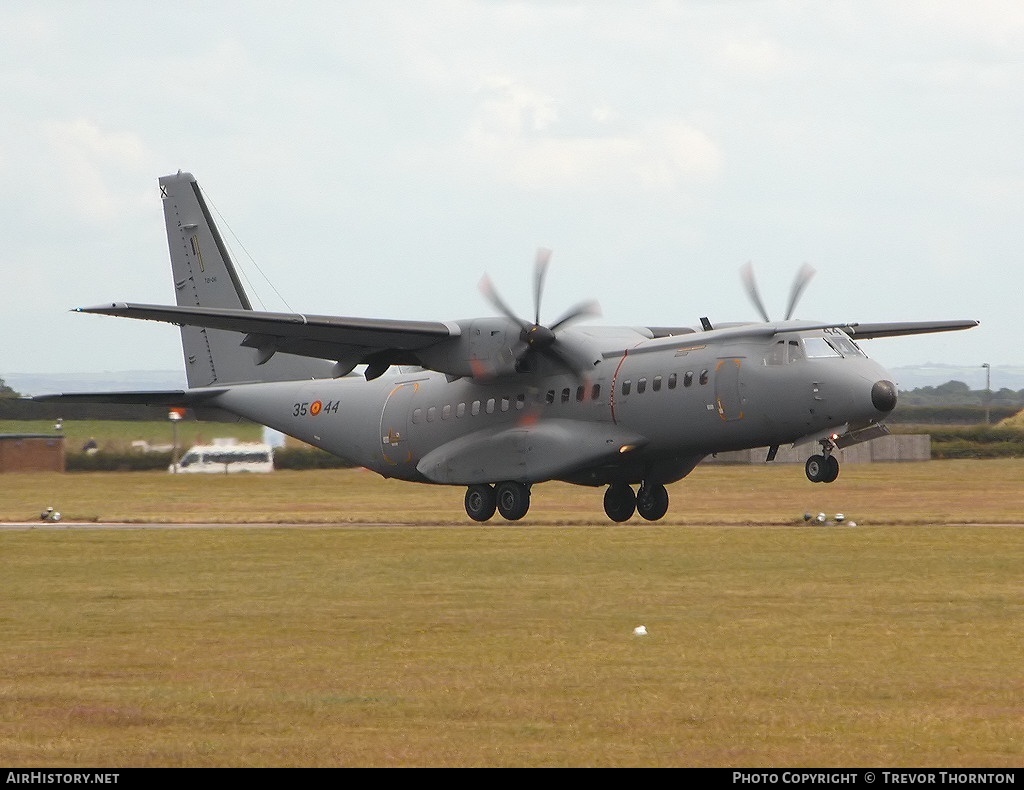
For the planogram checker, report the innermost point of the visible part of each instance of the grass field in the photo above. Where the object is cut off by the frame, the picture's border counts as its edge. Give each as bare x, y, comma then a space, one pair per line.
386, 630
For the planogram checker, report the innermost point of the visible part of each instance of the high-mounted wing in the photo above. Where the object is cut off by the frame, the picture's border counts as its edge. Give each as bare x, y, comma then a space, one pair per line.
900, 328
667, 339
347, 341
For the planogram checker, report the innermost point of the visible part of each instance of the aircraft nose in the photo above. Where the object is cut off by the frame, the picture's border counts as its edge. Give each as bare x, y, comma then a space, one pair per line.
883, 395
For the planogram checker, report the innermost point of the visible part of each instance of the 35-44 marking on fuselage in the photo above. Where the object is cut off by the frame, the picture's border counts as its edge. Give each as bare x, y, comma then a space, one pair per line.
315, 408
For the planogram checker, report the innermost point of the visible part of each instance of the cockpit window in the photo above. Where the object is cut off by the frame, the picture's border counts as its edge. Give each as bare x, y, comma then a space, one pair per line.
819, 348
842, 343
785, 351
835, 343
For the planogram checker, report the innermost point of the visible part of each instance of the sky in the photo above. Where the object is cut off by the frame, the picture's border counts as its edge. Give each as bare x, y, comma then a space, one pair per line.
377, 159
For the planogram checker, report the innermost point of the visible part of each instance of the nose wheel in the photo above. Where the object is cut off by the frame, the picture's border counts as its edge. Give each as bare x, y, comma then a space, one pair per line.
822, 468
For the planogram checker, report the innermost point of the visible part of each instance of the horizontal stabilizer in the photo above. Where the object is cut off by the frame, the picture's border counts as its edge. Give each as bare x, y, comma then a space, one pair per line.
169, 398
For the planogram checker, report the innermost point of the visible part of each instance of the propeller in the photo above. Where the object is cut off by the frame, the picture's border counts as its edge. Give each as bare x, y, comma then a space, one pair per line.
535, 336
803, 277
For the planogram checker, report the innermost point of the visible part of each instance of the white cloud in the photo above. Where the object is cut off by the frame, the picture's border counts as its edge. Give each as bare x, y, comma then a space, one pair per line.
759, 57
88, 161
518, 135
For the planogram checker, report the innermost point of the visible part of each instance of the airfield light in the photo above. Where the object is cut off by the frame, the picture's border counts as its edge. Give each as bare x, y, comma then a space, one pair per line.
174, 416
988, 390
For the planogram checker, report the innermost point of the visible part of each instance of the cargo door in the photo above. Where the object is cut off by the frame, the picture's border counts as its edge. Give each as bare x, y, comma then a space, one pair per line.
728, 399
395, 424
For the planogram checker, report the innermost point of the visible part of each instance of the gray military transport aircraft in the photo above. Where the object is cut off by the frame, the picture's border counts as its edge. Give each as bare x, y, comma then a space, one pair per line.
498, 404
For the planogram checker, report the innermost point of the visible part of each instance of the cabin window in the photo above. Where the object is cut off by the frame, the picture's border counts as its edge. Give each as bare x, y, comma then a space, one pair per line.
656, 384
446, 412
672, 381
795, 352
703, 377
505, 403
490, 405
596, 393
476, 408
520, 401
581, 393
565, 395
460, 410
641, 385
626, 385
688, 378
417, 416
549, 397
431, 413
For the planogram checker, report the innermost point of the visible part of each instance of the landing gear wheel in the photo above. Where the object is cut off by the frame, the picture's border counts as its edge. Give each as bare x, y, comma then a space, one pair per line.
815, 468
480, 502
831, 469
513, 500
619, 502
652, 501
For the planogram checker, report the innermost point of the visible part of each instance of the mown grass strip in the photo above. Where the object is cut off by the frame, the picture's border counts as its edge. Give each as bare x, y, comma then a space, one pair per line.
894, 643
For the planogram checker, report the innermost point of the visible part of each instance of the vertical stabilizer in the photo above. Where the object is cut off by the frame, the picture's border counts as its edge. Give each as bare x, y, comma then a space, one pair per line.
204, 276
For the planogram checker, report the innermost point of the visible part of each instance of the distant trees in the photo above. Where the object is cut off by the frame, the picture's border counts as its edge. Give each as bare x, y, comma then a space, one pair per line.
956, 393
7, 392
954, 403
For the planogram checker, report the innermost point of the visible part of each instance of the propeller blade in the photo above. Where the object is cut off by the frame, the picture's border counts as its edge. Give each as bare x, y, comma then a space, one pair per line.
747, 272
573, 359
536, 338
582, 310
540, 270
802, 278
488, 290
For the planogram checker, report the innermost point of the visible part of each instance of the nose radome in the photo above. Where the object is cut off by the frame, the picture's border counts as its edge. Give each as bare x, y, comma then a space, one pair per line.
883, 395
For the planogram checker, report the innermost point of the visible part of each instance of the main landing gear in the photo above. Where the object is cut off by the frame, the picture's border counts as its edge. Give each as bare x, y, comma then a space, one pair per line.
822, 468
510, 499
650, 501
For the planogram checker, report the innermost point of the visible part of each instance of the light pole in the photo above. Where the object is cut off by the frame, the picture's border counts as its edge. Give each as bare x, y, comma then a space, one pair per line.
174, 417
988, 390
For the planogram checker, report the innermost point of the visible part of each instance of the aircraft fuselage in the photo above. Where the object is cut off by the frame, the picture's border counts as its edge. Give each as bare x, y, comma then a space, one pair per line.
659, 413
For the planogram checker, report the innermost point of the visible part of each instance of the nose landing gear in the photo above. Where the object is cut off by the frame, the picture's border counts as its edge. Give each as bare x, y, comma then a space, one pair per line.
823, 468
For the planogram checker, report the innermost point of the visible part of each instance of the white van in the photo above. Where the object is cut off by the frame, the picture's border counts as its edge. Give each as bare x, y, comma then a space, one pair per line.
227, 458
